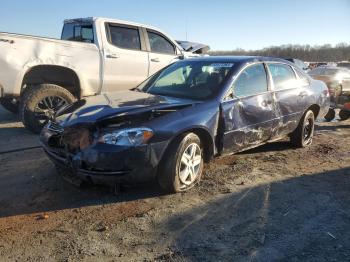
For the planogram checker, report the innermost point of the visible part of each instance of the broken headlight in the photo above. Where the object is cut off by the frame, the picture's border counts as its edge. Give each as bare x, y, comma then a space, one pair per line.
127, 137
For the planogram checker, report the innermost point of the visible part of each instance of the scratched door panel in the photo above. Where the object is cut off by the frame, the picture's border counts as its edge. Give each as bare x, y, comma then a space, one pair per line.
248, 121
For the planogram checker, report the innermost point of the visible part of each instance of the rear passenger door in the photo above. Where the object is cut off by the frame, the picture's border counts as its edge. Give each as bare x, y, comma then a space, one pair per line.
162, 51
248, 110
290, 93
126, 58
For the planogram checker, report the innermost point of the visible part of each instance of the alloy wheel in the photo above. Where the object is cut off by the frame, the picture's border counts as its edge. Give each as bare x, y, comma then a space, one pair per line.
308, 131
47, 107
190, 165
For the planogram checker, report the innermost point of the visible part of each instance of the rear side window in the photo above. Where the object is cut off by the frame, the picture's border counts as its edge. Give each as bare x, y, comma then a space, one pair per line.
159, 44
283, 76
78, 32
125, 37
251, 81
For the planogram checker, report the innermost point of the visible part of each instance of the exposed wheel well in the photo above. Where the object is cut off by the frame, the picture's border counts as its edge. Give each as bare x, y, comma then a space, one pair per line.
49, 74
206, 140
315, 109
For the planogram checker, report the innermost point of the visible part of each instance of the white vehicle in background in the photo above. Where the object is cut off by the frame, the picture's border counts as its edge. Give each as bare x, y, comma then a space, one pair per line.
94, 55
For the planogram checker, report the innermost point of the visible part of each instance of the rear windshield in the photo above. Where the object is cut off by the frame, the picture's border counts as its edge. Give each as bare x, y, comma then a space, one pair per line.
78, 32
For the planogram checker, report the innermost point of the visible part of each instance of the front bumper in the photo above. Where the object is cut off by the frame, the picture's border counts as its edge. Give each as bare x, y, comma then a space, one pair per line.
107, 164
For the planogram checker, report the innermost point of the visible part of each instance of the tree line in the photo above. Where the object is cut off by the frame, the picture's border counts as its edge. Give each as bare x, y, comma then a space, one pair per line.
324, 53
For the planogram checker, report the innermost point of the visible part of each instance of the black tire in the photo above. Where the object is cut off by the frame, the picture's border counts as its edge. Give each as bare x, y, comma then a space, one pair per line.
303, 134
9, 105
344, 115
169, 169
34, 117
330, 115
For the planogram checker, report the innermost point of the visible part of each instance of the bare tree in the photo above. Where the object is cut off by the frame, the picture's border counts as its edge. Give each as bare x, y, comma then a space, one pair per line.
340, 52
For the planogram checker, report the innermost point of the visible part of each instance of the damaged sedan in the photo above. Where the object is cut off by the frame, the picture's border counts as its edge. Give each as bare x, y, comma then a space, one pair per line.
181, 117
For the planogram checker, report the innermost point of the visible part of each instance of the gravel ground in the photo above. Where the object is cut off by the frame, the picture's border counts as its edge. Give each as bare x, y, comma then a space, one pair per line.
267, 204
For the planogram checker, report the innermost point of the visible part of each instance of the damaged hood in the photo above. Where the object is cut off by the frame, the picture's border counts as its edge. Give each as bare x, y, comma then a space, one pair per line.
195, 48
100, 107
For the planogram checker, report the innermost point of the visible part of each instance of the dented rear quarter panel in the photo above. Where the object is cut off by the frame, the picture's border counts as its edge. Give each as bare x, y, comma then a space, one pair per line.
20, 53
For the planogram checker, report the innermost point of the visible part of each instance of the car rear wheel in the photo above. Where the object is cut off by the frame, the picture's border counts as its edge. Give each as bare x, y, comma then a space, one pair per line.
9, 105
344, 115
303, 135
330, 115
182, 165
39, 103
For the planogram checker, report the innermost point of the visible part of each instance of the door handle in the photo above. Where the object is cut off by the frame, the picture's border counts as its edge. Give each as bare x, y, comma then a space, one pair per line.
112, 56
156, 60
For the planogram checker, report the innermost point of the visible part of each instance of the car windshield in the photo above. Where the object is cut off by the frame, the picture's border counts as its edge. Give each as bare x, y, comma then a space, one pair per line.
198, 80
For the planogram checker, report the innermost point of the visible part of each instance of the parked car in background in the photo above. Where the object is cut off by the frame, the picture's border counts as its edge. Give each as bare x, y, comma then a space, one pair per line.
336, 78
182, 116
298, 63
338, 83
344, 64
40, 75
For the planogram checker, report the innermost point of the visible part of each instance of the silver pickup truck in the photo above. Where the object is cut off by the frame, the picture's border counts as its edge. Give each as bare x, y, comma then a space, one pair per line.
94, 55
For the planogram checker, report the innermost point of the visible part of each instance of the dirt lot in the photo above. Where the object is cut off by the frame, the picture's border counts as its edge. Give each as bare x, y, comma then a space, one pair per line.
270, 203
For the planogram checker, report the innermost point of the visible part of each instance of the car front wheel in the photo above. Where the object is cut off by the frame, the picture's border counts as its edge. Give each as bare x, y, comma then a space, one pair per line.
182, 165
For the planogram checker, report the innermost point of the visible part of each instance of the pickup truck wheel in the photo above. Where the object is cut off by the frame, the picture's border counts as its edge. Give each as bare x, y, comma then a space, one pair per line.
182, 166
303, 135
8, 104
40, 102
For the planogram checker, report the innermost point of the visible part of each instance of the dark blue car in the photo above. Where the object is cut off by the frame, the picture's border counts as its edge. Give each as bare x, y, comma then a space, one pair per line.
181, 117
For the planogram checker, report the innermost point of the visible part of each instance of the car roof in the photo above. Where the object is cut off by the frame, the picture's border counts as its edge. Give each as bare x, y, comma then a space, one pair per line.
110, 20
240, 59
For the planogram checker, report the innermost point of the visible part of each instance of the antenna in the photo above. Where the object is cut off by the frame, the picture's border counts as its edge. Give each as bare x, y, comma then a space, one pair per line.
186, 27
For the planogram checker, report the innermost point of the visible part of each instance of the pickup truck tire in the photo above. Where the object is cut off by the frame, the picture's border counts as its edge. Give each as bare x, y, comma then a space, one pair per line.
182, 165
8, 105
302, 136
39, 102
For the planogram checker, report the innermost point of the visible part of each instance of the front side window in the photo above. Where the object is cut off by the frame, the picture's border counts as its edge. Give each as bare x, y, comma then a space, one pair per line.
283, 76
159, 44
188, 79
125, 37
251, 81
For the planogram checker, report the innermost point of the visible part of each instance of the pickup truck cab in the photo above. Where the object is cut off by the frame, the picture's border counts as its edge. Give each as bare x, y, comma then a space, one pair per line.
94, 55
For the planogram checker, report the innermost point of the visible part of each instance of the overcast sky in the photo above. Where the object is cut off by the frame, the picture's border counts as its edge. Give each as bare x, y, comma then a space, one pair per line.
223, 24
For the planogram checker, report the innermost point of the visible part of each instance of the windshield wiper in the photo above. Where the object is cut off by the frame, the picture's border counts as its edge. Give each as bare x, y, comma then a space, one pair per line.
137, 89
